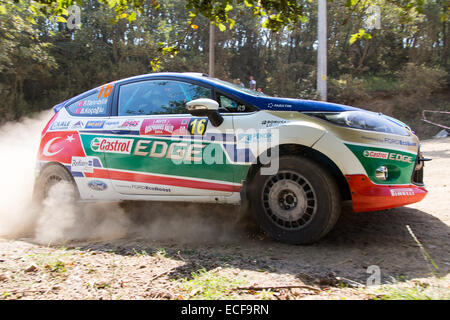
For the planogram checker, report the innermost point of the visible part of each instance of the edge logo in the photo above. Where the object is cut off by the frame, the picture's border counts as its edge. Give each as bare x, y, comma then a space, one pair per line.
97, 185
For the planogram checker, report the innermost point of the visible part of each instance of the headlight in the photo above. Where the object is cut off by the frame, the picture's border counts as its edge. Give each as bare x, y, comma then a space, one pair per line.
365, 120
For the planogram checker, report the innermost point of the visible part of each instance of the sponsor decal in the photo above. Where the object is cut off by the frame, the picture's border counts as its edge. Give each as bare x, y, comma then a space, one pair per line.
279, 105
254, 137
391, 141
130, 123
386, 155
400, 157
273, 123
91, 103
60, 125
402, 192
90, 111
82, 164
375, 154
171, 126
112, 145
150, 188
172, 150
78, 125
97, 185
112, 123
399, 142
98, 124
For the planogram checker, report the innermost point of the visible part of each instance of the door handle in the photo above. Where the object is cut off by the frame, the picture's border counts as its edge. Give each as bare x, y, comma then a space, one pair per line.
121, 131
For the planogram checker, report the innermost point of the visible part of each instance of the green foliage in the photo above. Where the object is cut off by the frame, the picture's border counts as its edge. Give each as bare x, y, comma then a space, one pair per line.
43, 62
421, 80
209, 286
347, 89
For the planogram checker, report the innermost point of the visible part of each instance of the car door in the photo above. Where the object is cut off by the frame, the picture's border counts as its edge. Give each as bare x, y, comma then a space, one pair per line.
158, 149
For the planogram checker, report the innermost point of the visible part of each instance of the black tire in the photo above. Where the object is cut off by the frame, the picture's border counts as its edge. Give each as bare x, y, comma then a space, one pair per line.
299, 204
48, 177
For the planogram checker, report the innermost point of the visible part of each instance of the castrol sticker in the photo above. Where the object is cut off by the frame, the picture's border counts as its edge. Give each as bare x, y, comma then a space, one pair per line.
376, 154
112, 145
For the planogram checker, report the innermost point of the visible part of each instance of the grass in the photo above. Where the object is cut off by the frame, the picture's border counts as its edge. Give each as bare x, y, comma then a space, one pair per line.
160, 253
141, 253
419, 291
54, 262
206, 285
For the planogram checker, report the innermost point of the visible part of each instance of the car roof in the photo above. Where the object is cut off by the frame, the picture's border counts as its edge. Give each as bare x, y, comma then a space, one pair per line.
262, 102
182, 75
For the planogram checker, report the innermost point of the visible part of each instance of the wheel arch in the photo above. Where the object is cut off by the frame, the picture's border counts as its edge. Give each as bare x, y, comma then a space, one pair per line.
58, 164
310, 153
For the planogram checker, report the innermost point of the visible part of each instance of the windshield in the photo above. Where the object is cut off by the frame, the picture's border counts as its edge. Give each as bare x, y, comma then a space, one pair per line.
239, 88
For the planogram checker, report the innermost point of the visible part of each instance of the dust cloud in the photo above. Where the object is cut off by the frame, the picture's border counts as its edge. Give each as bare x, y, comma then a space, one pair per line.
59, 220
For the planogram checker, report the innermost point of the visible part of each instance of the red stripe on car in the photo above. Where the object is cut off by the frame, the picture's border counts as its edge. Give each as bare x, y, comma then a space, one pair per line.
168, 181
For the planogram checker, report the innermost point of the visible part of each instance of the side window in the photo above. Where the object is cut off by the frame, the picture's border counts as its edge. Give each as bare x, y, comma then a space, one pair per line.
91, 105
158, 97
230, 105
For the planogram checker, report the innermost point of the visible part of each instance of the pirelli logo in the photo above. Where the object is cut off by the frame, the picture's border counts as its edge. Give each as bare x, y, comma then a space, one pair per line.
402, 192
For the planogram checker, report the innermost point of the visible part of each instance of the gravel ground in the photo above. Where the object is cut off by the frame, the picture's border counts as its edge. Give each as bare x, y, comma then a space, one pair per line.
199, 252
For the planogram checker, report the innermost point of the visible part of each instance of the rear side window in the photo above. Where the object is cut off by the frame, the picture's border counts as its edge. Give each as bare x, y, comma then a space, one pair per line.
93, 105
158, 97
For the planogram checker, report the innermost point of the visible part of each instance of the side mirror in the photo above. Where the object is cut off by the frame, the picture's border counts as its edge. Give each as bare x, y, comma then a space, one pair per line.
205, 107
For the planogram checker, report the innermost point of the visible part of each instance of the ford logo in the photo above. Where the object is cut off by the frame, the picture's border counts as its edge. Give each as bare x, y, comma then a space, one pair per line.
97, 185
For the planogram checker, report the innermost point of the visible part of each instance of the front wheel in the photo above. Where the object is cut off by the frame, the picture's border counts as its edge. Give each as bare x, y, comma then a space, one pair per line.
299, 204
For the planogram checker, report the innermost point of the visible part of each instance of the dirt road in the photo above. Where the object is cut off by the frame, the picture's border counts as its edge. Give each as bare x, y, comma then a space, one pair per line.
182, 252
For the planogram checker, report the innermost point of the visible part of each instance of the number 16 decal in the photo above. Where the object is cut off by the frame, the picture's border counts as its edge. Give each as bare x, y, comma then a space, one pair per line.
197, 126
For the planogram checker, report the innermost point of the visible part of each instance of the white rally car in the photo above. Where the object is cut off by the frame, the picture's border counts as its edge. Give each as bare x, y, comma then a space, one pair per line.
189, 137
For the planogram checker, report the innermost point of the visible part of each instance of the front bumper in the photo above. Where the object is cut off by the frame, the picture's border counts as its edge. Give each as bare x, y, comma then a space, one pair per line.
368, 196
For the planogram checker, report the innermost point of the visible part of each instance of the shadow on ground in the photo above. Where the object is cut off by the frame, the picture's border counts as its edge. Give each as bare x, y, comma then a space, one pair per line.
209, 236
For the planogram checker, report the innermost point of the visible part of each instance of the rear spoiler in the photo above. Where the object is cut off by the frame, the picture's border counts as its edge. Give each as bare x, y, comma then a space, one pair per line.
58, 107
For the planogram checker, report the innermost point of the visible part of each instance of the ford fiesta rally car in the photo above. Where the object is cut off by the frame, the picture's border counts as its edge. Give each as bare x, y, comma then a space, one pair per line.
189, 137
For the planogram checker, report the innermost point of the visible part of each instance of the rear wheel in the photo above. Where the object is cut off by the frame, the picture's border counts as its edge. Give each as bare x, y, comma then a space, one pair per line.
49, 177
299, 204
